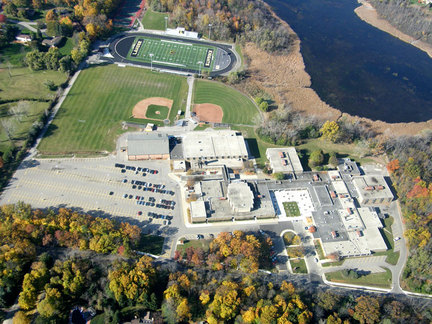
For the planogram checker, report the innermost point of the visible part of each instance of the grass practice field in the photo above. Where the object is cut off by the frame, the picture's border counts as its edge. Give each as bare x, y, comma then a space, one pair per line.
291, 209
172, 53
101, 98
237, 108
154, 20
157, 112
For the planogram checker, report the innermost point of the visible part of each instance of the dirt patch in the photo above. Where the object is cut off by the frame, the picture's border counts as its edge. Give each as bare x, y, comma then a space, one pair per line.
140, 109
208, 112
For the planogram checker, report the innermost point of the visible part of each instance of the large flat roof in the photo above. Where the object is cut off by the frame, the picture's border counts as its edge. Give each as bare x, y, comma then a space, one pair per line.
284, 159
147, 143
198, 209
240, 196
224, 144
372, 187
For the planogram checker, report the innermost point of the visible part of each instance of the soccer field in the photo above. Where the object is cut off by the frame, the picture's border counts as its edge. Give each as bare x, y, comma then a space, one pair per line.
172, 53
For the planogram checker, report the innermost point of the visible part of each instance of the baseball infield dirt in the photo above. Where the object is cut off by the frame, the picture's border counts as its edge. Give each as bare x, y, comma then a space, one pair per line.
140, 109
209, 112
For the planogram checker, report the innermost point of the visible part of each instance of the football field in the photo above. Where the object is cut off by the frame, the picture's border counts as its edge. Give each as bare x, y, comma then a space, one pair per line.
181, 54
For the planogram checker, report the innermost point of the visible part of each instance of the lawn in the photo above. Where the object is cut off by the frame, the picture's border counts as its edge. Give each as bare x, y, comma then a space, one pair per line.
381, 280
319, 249
19, 123
298, 266
67, 46
392, 256
291, 208
100, 100
203, 244
237, 108
151, 244
157, 112
25, 84
154, 20
13, 54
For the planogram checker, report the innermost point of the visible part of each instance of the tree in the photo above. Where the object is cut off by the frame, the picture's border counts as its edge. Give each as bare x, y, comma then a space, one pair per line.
183, 311
316, 158
279, 176
367, 310
328, 300
393, 165
333, 160
10, 9
264, 106
21, 318
330, 131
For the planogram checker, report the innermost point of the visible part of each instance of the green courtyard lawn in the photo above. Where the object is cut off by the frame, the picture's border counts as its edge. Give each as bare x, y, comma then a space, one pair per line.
157, 112
381, 279
237, 107
66, 46
298, 266
291, 208
319, 249
392, 256
90, 119
154, 20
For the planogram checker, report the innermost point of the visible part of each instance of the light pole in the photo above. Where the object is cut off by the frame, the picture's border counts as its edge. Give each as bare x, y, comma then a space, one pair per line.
166, 23
210, 26
151, 61
200, 63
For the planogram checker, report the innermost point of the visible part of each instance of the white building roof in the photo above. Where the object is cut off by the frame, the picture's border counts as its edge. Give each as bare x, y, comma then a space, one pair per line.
214, 145
372, 187
198, 209
284, 160
340, 187
240, 196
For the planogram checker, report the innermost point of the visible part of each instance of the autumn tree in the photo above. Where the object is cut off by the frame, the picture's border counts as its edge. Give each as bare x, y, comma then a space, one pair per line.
367, 310
330, 131
316, 158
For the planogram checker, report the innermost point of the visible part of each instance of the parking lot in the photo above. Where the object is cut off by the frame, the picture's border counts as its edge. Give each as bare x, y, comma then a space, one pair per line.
143, 191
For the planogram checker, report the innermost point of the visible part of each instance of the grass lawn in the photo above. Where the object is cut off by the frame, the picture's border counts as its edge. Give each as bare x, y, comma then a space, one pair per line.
201, 127
291, 208
26, 84
157, 112
101, 98
333, 264
67, 47
237, 108
98, 319
151, 244
203, 244
381, 280
154, 20
392, 256
14, 54
19, 124
298, 266
319, 249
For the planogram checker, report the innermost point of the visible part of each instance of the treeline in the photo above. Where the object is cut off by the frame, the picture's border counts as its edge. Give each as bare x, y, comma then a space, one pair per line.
285, 126
231, 20
412, 19
411, 171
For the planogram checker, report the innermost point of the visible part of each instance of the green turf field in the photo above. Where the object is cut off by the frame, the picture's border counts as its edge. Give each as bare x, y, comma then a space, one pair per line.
154, 20
237, 108
101, 98
152, 112
291, 209
172, 53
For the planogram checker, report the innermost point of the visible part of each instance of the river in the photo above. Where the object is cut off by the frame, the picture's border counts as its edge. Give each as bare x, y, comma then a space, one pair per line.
357, 68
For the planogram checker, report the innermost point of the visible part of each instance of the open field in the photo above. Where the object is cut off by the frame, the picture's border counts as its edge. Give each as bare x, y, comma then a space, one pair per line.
291, 208
18, 124
91, 116
172, 53
381, 280
26, 84
13, 54
237, 108
157, 112
154, 20
66, 46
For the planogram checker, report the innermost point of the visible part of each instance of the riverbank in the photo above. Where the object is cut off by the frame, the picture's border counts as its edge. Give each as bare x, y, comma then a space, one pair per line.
284, 77
367, 13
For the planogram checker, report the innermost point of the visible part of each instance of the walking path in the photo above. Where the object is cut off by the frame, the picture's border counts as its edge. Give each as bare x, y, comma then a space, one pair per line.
190, 81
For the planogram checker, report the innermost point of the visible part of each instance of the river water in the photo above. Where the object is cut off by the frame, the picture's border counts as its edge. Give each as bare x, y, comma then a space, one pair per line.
357, 68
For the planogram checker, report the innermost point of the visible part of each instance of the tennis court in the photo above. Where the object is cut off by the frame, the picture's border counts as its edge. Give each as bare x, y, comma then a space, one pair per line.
174, 53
